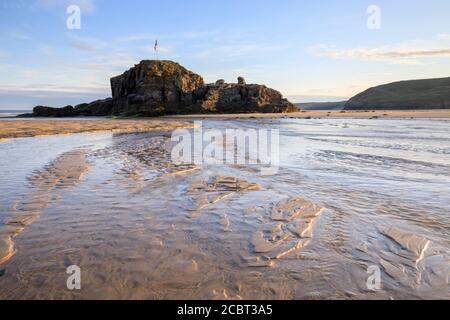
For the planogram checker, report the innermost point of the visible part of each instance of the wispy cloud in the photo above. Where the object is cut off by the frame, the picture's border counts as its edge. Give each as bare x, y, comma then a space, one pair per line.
231, 51
18, 35
46, 50
85, 43
161, 49
27, 97
444, 36
172, 37
87, 6
3, 54
36, 88
412, 52
4, 67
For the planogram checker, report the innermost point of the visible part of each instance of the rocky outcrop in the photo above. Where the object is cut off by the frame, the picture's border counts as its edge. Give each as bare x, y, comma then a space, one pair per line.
414, 94
243, 98
96, 108
43, 111
155, 88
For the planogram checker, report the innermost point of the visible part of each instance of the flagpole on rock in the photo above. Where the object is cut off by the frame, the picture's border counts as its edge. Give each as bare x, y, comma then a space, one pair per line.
156, 50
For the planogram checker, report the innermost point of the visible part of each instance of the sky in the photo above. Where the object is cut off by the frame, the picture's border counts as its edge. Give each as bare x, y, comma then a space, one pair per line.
309, 50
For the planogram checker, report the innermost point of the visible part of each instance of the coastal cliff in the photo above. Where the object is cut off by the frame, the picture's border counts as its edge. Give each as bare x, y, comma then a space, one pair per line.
413, 94
156, 88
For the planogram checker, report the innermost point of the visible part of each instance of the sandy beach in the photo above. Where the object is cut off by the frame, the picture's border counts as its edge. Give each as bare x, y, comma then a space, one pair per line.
15, 128
32, 128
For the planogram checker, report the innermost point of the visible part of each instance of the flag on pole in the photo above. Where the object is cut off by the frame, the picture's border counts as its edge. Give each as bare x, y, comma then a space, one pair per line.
156, 49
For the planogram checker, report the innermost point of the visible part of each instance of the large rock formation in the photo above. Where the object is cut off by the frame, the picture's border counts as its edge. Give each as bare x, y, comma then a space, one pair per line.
414, 94
165, 87
154, 88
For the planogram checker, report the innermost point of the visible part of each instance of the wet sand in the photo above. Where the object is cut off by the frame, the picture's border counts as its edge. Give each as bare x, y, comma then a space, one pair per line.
349, 194
41, 127
64, 172
387, 114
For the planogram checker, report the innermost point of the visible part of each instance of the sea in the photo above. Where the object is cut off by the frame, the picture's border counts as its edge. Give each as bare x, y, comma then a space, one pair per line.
12, 113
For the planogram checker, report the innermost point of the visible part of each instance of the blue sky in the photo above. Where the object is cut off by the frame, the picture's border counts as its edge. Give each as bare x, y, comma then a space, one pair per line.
309, 50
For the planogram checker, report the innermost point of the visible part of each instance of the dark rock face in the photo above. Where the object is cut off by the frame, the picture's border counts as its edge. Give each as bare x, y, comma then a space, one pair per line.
241, 98
155, 88
414, 94
96, 108
43, 111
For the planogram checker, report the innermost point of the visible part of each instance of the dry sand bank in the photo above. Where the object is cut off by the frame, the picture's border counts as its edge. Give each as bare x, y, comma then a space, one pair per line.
31, 128
401, 114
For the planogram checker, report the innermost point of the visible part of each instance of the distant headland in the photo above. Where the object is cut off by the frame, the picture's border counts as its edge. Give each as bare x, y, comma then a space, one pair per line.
157, 88
404, 95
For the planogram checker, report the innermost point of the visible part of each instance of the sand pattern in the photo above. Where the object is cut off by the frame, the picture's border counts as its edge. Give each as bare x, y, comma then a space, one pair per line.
293, 221
65, 172
410, 258
210, 190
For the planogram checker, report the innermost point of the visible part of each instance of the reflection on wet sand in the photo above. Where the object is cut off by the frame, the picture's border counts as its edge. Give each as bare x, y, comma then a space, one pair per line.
141, 227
